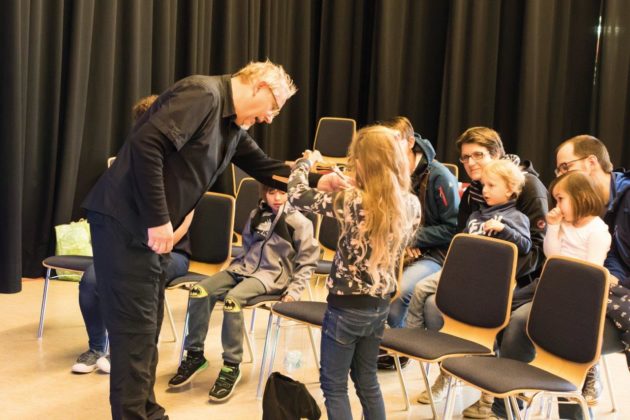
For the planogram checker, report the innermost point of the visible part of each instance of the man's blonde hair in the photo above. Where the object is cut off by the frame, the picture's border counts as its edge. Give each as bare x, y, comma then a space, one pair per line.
508, 172
273, 75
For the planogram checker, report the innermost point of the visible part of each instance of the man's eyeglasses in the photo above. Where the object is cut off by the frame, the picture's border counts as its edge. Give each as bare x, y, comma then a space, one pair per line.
565, 166
276, 108
475, 155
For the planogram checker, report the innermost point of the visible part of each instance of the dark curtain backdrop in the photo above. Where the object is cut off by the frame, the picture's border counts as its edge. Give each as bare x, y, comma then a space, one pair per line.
538, 71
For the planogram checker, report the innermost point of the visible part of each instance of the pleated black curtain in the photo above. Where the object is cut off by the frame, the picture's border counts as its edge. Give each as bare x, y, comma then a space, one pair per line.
538, 71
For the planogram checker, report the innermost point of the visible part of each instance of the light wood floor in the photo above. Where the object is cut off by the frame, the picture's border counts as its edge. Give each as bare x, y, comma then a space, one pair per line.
36, 382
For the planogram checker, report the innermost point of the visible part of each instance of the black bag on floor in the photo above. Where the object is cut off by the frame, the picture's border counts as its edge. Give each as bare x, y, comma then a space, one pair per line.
287, 399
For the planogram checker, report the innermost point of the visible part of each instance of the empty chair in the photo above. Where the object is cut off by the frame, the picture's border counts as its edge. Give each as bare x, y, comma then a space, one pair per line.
333, 136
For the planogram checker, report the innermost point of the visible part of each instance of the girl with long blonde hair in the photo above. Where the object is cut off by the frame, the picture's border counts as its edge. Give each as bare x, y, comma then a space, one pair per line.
377, 218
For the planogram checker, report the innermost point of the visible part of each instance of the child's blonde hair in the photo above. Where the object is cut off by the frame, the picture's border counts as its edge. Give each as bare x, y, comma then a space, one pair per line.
508, 172
381, 172
585, 196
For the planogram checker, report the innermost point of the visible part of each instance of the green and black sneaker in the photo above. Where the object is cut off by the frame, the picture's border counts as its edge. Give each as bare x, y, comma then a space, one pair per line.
190, 366
225, 383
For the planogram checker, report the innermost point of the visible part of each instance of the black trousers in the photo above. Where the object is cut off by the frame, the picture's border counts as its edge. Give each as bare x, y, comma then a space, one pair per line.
130, 280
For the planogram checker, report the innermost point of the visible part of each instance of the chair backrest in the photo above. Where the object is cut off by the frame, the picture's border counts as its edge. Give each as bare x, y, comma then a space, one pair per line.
247, 198
329, 232
334, 135
453, 168
211, 228
239, 175
566, 321
476, 285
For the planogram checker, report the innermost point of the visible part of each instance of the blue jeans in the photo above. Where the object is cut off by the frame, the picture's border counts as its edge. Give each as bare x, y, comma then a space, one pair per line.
412, 275
350, 343
90, 305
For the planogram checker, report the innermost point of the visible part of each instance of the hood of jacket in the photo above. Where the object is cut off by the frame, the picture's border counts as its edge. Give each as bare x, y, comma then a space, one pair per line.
424, 146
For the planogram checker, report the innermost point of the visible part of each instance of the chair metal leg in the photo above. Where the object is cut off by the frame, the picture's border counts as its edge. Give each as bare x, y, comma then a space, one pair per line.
401, 378
275, 338
251, 324
508, 408
515, 408
450, 398
427, 386
313, 346
262, 377
609, 384
42, 313
184, 331
169, 314
248, 343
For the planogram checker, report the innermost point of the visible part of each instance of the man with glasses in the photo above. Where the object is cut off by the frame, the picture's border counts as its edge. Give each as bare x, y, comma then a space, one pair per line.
173, 155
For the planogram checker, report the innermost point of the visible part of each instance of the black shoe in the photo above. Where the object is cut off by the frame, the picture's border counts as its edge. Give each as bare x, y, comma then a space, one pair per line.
388, 363
225, 383
187, 370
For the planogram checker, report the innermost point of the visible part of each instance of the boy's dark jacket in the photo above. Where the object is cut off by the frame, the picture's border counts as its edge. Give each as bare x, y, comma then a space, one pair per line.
534, 203
617, 217
437, 189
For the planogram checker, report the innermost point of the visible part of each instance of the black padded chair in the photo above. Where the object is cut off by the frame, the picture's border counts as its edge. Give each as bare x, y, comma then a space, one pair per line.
334, 135
210, 240
76, 263
328, 237
565, 325
247, 199
474, 296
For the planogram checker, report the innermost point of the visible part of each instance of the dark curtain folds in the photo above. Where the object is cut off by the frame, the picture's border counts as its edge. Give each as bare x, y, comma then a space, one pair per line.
538, 71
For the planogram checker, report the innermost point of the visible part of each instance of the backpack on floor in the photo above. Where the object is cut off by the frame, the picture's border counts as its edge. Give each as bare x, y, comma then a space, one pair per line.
287, 399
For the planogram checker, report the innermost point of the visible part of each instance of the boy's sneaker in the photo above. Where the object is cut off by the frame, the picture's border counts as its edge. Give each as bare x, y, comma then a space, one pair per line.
86, 362
104, 364
190, 367
482, 409
225, 383
439, 390
592, 389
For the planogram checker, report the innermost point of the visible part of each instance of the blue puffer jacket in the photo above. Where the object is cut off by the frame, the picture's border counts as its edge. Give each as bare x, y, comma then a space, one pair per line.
436, 187
617, 218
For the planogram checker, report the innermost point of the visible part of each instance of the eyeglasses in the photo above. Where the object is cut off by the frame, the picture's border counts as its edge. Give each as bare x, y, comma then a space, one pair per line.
475, 155
565, 166
276, 108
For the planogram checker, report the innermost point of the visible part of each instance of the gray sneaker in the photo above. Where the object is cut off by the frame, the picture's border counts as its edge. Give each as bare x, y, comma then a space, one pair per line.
439, 389
592, 389
482, 409
86, 362
104, 364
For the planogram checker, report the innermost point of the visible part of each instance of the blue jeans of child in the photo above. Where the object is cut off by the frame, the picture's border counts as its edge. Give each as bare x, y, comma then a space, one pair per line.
90, 303
412, 275
350, 343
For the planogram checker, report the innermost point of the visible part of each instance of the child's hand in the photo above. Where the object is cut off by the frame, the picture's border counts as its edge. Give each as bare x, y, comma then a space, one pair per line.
493, 226
554, 217
313, 155
287, 298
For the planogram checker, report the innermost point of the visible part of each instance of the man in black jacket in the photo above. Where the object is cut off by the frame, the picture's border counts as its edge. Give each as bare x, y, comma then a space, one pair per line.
174, 153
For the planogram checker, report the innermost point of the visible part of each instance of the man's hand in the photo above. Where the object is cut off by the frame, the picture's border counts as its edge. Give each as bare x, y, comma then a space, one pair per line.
333, 182
493, 226
554, 216
161, 238
287, 298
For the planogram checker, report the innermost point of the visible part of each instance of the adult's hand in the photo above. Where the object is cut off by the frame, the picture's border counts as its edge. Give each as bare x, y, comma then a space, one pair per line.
333, 182
161, 238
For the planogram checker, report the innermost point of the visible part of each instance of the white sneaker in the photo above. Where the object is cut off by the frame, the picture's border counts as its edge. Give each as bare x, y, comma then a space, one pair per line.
104, 364
439, 390
86, 362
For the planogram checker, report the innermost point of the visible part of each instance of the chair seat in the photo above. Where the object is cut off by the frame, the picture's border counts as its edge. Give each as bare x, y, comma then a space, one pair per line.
68, 262
183, 281
611, 342
309, 312
262, 299
323, 267
505, 376
428, 345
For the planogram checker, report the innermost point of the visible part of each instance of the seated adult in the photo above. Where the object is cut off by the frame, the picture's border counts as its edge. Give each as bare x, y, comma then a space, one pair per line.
279, 254
477, 147
436, 188
589, 155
